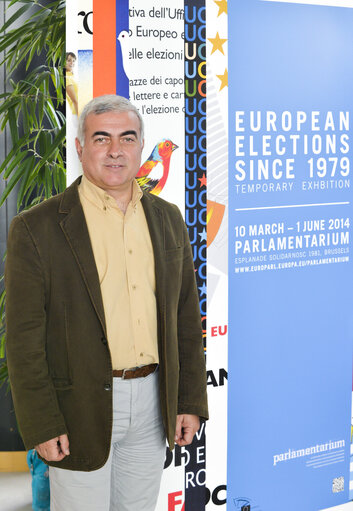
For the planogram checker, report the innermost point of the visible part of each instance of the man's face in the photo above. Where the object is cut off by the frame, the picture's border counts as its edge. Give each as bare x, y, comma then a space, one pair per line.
111, 155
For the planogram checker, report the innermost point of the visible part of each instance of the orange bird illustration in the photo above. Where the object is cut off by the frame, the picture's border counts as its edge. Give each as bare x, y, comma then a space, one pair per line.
153, 174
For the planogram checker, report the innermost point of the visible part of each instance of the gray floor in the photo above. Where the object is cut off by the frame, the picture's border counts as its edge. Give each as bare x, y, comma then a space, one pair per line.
15, 491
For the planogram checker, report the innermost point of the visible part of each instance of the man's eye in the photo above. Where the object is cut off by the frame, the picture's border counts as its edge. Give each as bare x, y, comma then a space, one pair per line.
101, 140
128, 139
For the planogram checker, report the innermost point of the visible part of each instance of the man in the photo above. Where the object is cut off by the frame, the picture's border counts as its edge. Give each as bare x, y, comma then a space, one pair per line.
104, 342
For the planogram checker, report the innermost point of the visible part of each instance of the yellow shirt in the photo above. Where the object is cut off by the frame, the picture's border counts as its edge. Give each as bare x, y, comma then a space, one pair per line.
124, 258
70, 80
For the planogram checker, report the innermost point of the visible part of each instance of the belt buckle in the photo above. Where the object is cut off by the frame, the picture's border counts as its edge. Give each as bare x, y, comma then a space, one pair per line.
127, 369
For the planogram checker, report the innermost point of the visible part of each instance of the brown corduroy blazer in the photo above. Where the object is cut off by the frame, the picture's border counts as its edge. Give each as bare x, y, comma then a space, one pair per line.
58, 356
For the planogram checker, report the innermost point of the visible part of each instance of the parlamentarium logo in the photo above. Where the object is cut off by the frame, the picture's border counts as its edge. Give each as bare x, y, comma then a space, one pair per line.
330, 3
321, 454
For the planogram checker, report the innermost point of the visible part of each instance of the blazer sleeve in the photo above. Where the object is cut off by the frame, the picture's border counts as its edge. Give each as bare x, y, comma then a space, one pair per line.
192, 374
34, 396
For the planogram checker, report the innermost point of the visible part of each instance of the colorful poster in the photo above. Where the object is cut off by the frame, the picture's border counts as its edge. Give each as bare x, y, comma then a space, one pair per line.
217, 252
290, 268
196, 206
79, 76
137, 49
153, 57
138, 52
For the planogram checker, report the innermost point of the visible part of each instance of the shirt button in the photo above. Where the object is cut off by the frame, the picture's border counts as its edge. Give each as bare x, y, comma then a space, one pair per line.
104, 208
133, 286
141, 354
107, 386
104, 341
130, 251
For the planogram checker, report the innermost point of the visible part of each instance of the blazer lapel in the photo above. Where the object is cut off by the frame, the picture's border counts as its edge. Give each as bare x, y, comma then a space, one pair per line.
75, 229
155, 222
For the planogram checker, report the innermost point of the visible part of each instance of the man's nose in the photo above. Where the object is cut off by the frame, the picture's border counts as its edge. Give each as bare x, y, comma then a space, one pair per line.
115, 148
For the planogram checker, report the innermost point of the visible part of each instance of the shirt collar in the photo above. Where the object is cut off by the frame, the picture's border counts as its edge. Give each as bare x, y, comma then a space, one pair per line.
101, 198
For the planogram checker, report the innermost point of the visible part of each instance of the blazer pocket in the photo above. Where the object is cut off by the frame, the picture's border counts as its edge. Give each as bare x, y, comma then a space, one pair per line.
62, 384
58, 352
174, 254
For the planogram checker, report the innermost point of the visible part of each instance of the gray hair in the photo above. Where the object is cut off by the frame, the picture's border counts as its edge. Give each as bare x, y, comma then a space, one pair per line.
103, 104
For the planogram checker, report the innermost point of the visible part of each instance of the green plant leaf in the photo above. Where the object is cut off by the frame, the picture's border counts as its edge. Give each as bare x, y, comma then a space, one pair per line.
15, 161
13, 124
12, 153
25, 116
15, 17
11, 183
2, 347
36, 161
25, 179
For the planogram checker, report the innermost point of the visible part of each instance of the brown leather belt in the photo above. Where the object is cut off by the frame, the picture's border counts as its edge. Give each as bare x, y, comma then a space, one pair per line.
136, 372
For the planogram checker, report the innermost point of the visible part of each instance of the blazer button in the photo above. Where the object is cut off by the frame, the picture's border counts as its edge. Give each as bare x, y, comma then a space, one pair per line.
104, 341
107, 386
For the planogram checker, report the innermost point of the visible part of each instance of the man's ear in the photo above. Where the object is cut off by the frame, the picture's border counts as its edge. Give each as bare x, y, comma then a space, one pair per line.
78, 148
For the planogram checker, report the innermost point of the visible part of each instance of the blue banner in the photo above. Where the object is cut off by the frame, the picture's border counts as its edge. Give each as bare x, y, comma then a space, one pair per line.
290, 268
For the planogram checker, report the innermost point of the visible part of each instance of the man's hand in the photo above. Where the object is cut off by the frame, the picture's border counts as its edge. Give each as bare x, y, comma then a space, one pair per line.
55, 449
186, 427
